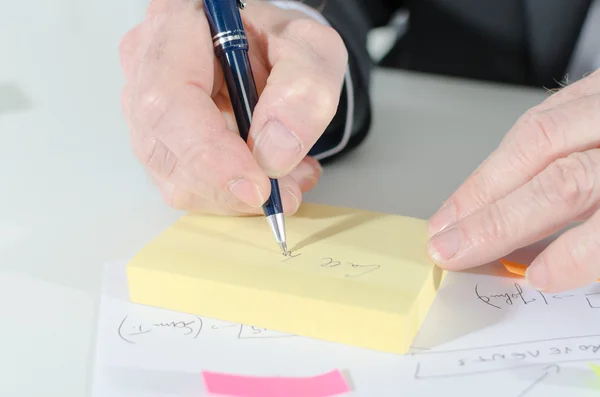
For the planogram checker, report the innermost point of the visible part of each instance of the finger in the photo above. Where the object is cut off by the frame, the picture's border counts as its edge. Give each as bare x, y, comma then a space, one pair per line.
566, 190
191, 134
307, 174
301, 95
535, 141
177, 124
291, 195
178, 197
571, 261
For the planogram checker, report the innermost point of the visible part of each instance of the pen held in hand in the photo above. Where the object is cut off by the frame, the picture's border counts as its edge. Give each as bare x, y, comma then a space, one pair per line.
231, 47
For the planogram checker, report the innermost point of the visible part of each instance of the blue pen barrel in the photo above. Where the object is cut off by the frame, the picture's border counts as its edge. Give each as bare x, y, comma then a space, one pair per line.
241, 90
231, 46
223, 17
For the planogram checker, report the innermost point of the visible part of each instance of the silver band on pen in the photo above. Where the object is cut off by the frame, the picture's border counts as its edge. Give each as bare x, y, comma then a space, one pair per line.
225, 37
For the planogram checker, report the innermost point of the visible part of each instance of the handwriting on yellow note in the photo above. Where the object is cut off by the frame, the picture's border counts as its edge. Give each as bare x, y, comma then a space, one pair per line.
349, 269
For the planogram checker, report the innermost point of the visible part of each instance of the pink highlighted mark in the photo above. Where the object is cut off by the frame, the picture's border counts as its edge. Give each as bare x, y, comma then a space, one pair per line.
326, 385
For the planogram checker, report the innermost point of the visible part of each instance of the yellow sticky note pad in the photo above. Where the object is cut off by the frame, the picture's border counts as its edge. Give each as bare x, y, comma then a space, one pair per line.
353, 277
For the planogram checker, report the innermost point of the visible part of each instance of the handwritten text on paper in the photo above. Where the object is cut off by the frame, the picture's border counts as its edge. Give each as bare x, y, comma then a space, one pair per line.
516, 295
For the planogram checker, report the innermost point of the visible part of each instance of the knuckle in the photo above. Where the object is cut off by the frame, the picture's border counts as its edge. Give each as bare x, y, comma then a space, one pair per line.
569, 181
149, 107
544, 131
496, 226
476, 192
330, 40
324, 42
147, 152
155, 156
316, 94
538, 134
165, 161
302, 27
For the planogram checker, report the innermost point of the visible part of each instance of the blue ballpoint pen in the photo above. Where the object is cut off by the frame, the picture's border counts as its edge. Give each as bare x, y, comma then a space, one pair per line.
231, 47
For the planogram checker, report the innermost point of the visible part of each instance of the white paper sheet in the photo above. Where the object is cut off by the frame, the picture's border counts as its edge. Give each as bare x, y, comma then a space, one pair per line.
485, 335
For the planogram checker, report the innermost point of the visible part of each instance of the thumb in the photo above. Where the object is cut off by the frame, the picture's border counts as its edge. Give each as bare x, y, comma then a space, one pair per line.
301, 95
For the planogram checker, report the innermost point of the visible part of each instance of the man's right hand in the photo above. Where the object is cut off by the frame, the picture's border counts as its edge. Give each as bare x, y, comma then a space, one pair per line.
182, 125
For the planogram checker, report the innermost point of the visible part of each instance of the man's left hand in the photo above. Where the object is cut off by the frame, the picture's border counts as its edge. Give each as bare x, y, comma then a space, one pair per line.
543, 176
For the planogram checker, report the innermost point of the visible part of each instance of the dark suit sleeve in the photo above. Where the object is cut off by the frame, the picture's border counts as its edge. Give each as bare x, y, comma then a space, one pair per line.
353, 19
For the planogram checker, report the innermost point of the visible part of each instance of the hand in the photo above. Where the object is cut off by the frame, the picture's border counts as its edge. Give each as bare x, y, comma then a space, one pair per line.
544, 175
182, 125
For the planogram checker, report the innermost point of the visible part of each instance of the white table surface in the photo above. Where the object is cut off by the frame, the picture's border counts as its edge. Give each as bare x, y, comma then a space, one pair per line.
73, 197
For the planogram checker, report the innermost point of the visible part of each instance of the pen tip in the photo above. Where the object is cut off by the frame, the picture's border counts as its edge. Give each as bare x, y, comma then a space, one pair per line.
283, 248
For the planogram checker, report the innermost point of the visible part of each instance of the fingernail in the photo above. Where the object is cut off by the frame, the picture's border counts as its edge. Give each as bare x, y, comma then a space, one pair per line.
247, 192
444, 217
308, 183
276, 148
537, 275
444, 245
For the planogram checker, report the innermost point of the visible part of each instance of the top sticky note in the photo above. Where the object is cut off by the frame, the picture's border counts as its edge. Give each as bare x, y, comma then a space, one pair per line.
353, 277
